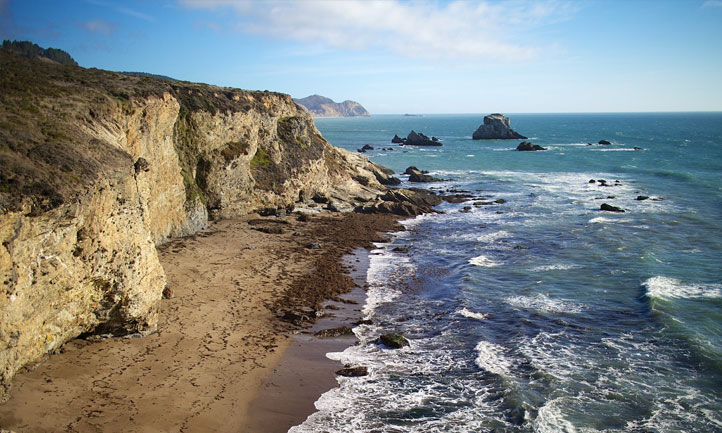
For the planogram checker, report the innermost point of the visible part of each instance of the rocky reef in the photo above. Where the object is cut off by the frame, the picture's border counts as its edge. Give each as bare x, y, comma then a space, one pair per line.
416, 139
321, 106
496, 127
97, 168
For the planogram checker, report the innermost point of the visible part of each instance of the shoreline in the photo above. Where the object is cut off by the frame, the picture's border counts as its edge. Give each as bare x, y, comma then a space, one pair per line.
219, 338
304, 372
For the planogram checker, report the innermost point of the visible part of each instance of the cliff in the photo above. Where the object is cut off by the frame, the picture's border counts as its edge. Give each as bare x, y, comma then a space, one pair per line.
320, 106
97, 168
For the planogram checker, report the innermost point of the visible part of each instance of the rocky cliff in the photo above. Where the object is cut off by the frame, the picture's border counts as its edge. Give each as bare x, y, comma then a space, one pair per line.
97, 168
320, 106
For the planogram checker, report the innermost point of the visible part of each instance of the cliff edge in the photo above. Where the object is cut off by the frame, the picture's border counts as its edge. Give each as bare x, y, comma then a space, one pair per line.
97, 168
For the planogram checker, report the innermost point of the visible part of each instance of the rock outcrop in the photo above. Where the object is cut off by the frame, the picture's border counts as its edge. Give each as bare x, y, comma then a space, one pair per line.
496, 127
320, 106
527, 146
418, 139
97, 168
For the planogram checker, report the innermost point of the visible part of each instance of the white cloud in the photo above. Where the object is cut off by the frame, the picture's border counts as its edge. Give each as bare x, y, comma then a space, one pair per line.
712, 4
99, 26
423, 29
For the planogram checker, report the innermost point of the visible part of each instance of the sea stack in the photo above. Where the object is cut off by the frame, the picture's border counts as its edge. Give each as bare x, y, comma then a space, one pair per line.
496, 127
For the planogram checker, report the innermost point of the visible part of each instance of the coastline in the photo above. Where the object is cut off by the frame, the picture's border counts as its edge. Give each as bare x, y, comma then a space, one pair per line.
219, 338
304, 372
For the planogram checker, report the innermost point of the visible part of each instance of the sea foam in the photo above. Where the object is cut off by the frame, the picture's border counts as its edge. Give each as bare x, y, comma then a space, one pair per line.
672, 288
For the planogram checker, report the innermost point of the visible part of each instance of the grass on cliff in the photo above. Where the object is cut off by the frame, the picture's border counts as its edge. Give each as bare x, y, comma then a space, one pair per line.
47, 158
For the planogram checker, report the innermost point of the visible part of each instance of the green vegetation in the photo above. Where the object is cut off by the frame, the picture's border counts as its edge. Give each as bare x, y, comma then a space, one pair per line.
31, 51
261, 159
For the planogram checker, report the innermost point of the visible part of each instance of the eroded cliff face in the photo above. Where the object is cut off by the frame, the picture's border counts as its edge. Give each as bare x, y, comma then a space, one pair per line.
97, 168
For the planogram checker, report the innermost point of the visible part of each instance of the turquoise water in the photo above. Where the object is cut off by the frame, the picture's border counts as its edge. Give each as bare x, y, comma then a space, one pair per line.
543, 313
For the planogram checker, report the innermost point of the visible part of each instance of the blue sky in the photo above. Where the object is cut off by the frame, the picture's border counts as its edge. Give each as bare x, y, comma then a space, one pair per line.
406, 56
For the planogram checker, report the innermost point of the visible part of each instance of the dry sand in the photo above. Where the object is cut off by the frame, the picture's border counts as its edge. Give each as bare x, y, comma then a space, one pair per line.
220, 346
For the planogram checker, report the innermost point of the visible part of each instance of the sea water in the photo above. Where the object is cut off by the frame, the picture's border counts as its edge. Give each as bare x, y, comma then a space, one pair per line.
543, 313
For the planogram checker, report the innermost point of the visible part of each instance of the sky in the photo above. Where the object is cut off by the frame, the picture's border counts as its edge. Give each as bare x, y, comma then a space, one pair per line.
392, 56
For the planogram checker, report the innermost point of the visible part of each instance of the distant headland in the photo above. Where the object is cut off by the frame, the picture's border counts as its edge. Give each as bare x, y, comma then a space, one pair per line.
321, 106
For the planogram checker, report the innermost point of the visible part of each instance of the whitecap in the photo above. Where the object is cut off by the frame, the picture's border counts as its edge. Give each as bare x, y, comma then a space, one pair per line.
672, 288
544, 303
471, 314
490, 358
483, 261
491, 237
554, 267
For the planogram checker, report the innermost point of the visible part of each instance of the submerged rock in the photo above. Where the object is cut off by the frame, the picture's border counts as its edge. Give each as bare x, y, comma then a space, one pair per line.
353, 371
526, 146
609, 208
496, 127
393, 341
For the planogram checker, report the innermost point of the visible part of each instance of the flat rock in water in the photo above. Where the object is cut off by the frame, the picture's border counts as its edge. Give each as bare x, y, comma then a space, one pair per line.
353, 371
609, 208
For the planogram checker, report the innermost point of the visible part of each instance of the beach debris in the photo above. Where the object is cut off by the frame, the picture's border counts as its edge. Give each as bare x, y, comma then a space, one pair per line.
496, 127
393, 341
349, 371
339, 331
609, 208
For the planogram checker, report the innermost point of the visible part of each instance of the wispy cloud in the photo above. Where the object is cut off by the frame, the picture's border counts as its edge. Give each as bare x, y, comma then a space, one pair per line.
712, 4
123, 10
99, 26
459, 29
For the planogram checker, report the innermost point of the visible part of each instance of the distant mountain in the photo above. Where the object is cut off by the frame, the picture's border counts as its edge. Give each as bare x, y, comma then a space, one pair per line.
32, 51
320, 106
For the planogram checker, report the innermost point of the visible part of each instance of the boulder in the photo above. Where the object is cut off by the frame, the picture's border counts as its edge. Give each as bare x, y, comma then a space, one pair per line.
420, 139
496, 127
393, 341
416, 175
525, 146
398, 140
604, 142
609, 208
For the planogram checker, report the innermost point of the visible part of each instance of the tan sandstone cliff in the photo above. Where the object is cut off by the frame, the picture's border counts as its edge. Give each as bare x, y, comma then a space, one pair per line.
96, 168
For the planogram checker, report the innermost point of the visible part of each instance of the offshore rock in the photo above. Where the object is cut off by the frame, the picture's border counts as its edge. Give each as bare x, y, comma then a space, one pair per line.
526, 146
421, 139
393, 341
496, 127
398, 140
609, 208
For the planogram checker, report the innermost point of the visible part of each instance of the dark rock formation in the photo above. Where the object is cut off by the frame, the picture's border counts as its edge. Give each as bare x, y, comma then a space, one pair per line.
421, 139
642, 197
398, 140
320, 106
334, 332
496, 127
403, 202
365, 148
604, 142
393, 341
609, 208
353, 371
526, 146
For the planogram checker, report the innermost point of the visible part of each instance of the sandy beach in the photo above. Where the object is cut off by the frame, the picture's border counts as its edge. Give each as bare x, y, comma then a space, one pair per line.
222, 359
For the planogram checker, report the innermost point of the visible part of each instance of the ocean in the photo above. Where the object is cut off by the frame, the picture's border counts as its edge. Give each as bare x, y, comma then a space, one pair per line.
539, 312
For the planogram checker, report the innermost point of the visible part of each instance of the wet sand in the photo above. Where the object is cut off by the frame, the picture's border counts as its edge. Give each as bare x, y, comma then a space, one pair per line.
220, 344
